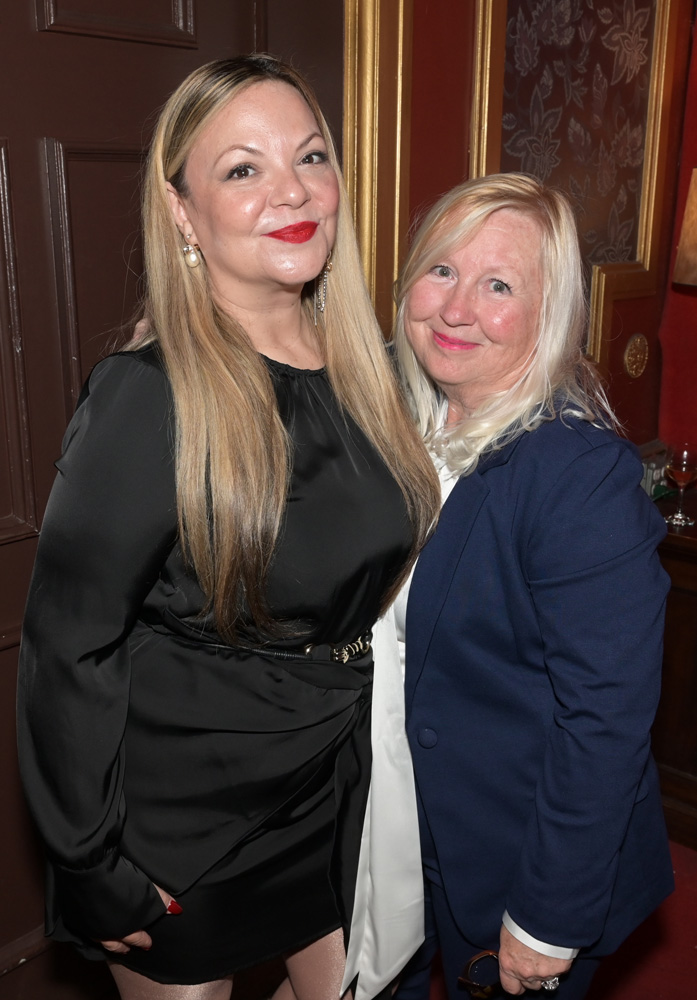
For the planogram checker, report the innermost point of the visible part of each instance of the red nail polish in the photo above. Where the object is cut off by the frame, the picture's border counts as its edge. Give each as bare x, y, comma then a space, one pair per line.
174, 907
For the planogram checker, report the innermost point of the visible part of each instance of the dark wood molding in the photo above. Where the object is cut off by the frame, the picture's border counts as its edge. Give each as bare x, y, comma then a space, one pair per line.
59, 154
10, 636
18, 518
261, 25
680, 805
63, 264
178, 29
23, 949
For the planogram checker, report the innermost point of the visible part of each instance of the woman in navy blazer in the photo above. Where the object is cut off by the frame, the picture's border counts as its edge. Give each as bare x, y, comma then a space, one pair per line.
535, 615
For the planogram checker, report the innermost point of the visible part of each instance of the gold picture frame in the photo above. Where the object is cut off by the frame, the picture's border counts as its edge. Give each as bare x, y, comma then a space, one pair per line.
612, 280
377, 55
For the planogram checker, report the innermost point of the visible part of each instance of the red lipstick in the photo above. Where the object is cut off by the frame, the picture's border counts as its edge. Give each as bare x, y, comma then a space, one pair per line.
301, 232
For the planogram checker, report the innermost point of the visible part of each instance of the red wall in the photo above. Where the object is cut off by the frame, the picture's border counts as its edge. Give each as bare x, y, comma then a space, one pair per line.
678, 333
441, 96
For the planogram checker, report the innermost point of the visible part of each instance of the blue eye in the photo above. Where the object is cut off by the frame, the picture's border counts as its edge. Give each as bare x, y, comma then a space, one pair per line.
441, 271
499, 286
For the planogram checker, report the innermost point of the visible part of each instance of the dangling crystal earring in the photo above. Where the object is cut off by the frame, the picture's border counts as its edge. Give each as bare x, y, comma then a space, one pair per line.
321, 287
191, 252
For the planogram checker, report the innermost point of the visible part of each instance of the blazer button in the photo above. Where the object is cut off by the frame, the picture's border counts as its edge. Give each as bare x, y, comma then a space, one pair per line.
427, 738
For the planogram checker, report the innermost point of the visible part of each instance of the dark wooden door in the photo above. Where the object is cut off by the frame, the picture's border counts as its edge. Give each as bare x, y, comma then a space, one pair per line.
82, 81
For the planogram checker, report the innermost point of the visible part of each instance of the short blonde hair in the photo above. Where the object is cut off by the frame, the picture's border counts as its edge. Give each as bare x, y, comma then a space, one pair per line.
557, 368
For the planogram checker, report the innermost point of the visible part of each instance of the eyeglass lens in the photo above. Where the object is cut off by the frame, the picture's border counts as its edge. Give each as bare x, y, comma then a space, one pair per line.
480, 978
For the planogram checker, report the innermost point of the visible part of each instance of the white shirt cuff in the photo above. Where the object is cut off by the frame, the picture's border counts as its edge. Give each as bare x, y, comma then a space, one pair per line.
550, 950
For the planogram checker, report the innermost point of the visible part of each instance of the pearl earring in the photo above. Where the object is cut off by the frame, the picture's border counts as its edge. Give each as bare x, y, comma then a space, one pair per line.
191, 252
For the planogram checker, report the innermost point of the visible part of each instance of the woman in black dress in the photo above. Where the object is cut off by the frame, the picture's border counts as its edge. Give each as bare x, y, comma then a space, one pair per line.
240, 494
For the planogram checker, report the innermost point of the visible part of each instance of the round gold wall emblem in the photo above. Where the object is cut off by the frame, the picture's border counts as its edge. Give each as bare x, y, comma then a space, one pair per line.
636, 354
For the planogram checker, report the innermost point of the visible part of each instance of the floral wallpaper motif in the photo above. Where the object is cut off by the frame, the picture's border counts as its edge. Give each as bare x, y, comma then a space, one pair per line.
576, 94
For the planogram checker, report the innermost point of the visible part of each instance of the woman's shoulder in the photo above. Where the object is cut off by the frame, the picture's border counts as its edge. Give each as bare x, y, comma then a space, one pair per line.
123, 389
125, 402
568, 451
579, 496
574, 436
148, 355
140, 372
128, 361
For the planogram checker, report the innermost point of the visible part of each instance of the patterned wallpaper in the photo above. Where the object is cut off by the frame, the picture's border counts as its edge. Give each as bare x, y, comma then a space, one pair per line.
576, 95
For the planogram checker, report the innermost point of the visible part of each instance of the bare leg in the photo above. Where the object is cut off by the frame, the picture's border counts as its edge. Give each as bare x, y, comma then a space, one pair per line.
315, 972
133, 986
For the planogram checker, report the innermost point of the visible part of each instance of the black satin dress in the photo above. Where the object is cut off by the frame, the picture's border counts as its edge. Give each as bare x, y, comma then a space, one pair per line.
152, 752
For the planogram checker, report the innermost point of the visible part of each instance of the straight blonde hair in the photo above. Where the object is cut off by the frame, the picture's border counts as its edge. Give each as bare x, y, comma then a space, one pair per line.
233, 454
558, 377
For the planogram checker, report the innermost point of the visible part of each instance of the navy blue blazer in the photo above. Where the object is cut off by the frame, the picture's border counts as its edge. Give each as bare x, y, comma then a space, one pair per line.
534, 648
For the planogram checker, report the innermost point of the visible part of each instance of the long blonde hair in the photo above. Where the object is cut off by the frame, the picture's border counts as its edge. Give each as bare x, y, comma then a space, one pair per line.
557, 368
232, 450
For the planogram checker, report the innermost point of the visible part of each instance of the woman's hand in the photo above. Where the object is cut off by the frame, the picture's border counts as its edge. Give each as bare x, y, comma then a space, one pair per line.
141, 939
522, 968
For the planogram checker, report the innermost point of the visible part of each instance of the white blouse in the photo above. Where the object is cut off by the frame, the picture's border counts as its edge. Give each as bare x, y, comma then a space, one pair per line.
387, 924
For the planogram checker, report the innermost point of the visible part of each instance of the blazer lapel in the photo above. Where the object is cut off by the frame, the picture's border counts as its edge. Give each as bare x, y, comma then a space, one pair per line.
434, 571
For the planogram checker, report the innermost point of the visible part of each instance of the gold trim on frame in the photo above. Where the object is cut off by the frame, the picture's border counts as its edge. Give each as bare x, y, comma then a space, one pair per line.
640, 277
615, 280
377, 57
487, 104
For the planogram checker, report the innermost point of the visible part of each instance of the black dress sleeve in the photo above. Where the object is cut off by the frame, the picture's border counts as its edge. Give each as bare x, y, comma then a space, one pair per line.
109, 525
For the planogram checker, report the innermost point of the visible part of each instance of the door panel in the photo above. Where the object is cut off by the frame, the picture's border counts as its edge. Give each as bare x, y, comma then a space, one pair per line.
94, 217
17, 510
156, 21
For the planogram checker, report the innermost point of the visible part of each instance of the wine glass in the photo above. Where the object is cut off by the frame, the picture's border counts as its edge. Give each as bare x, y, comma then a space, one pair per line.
681, 467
